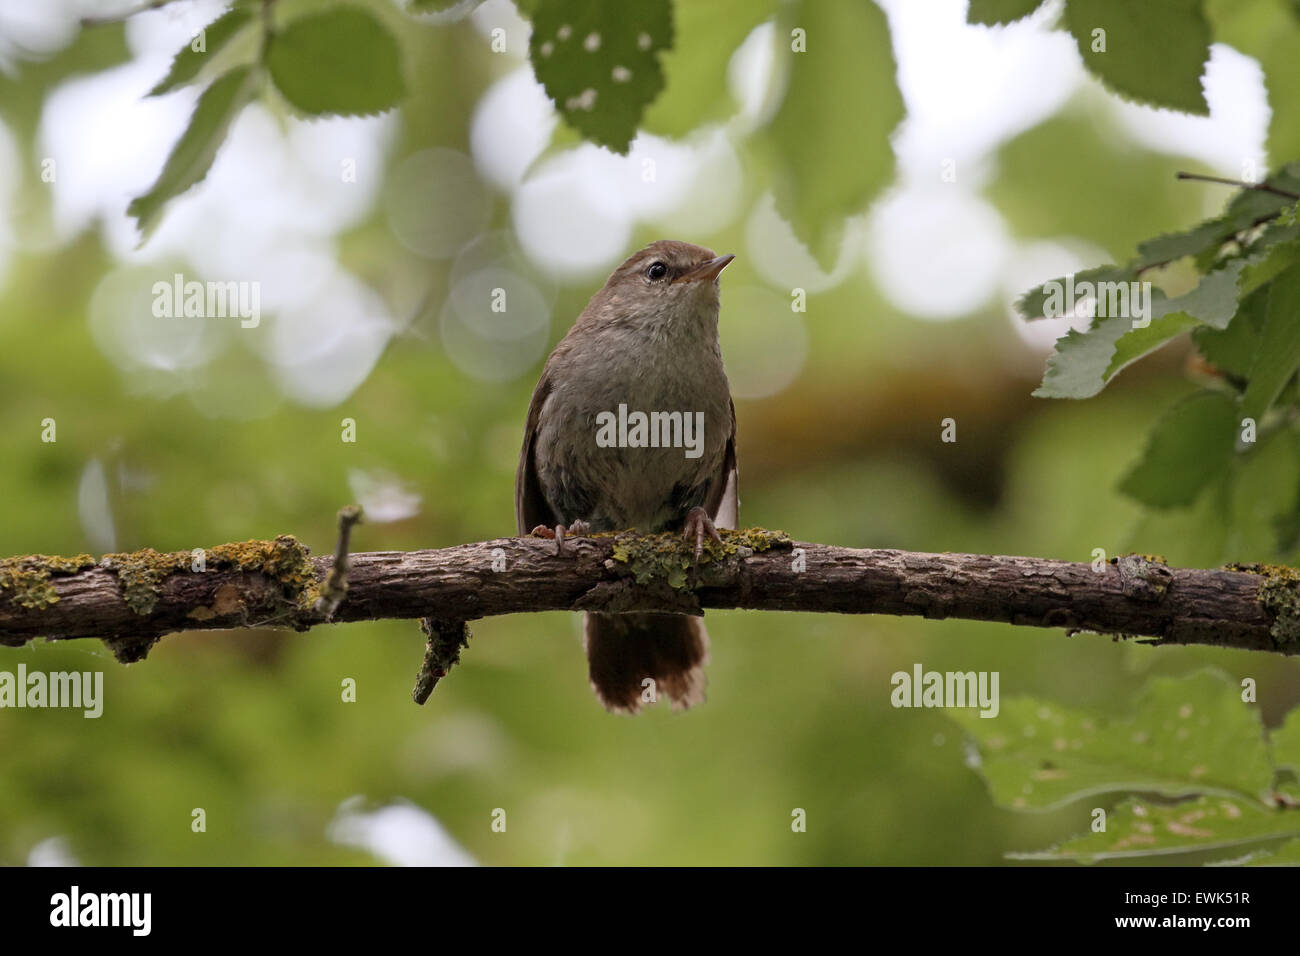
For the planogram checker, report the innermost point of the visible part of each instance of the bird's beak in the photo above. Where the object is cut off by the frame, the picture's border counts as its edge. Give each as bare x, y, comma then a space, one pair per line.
706, 271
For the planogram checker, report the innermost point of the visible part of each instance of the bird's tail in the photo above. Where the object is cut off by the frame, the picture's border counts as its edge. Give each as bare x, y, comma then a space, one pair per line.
635, 659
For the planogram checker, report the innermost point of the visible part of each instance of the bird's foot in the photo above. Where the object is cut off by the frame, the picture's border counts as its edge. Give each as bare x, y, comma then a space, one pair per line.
578, 529
697, 525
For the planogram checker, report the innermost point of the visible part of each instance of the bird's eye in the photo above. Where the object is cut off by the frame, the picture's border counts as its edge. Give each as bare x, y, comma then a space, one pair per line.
656, 271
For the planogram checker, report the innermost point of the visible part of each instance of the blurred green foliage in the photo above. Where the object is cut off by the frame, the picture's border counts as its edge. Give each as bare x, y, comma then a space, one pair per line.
252, 727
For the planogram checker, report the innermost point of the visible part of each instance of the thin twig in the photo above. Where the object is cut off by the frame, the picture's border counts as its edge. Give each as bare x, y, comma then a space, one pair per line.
1241, 184
335, 588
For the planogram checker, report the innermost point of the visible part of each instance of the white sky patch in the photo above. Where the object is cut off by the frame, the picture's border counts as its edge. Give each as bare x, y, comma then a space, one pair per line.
967, 88
95, 509
778, 257
400, 834
384, 497
749, 77
713, 197
502, 15
1231, 139
563, 229
512, 123
1029, 266
52, 851
574, 214
325, 348
36, 29
937, 252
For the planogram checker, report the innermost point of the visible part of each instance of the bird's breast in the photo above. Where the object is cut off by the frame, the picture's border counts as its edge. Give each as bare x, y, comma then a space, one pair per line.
637, 447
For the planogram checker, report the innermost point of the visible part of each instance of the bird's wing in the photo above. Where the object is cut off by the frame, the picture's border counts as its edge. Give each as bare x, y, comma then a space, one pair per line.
723, 503
531, 506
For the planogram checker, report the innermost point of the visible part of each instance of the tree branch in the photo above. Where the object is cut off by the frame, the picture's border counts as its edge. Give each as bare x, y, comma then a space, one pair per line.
130, 600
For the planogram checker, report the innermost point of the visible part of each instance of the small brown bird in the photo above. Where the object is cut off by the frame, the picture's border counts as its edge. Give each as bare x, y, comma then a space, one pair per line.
632, 426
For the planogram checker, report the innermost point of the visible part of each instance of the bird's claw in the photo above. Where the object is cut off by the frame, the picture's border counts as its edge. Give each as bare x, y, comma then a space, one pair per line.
697, 525
578, 529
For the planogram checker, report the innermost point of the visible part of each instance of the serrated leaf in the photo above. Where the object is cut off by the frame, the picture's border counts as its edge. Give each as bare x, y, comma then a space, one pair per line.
1189, 735
189, 61
831, 154
1279, 345
339, 62
1273, 254
1233, 349
599, 63
1250, 206
993, 12
1153, 51
1208, 235
194, 152
1034, 304
706, 35
1140, 828
1189, 448
1078, 367
1214, 300
1136, 343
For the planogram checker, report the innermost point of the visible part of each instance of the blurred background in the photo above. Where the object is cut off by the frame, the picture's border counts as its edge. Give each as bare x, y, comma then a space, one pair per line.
1012, 166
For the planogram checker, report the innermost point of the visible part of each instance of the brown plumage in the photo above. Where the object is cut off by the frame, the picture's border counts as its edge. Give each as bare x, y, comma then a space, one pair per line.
648, 340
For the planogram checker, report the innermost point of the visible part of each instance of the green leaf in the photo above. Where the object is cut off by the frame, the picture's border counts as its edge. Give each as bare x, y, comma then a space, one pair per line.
1034, 304
340, 62
1279, 345
192, 156
993, 12
1162, 249
830, 138
1137, 343
188, 62
439, 6
1269, 32
599, 63
1153, 51
1140, 828
1190, 447
1288, 854
1233, 349
696, 67
1077, 369
1251, 206
1214, 300
1267, 260
1189, 735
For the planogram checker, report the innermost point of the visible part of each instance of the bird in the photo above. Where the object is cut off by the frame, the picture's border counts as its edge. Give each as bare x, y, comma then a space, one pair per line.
647, 343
